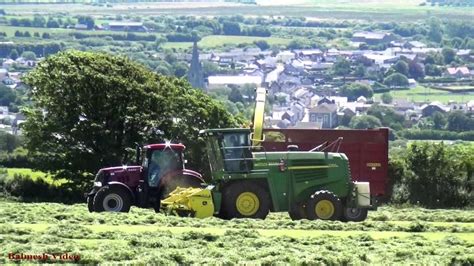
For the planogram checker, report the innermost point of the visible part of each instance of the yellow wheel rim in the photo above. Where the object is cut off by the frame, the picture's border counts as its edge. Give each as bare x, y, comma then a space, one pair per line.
324, 209
247, 203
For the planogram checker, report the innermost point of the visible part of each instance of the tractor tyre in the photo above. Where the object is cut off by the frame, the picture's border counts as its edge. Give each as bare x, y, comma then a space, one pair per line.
112, 199
297, 211
324, 205
245, 200
354, 215
90, 203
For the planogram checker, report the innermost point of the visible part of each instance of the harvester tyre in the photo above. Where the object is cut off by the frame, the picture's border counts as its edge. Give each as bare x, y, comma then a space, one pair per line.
324, 205
112, 199
297, 211
354, 214
245, 200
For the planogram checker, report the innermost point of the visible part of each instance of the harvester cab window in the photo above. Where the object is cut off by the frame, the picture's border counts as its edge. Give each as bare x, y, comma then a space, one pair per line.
236, 152
161, 163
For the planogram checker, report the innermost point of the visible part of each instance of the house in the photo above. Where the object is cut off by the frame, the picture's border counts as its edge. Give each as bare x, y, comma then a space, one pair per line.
430, 109
221, 81
372, 38
285, 56
411, 83
307, 125
325, 113
299, 109
126, 26
457, 72
290, 116
310, 54
79, 26
8, 81
3, 73
414, 44
3, 110
8, 63
470, 106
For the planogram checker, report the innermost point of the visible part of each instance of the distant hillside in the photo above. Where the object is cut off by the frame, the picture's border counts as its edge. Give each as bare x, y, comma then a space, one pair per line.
451, 2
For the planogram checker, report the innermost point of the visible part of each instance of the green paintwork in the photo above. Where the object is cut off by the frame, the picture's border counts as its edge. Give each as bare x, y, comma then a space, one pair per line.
304, 173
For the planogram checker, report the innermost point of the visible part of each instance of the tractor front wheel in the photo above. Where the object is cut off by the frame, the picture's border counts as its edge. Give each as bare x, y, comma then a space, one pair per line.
324, 205
90, 203
112, 199
245, 200
354, 214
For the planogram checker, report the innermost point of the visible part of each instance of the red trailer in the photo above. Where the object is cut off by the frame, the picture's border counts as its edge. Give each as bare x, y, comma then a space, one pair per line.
366, 149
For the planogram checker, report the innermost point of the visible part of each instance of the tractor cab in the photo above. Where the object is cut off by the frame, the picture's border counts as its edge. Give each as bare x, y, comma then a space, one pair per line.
160, 160
229, 150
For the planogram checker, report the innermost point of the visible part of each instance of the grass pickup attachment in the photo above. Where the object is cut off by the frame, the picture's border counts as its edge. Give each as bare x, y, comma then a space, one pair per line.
189, 202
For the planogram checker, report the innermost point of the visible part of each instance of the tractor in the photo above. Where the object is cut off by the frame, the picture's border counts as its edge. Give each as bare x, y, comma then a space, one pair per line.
249, 182
161, 171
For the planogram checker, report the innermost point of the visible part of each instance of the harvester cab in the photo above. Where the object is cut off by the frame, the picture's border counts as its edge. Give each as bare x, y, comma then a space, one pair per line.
160, 169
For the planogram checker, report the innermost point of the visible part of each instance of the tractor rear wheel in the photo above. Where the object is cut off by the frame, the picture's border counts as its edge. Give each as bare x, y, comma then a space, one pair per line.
354, 214
245, 200
112, 199
324, 205
297, 211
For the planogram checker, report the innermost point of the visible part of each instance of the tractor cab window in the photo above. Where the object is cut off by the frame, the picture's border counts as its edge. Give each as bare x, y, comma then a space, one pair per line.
162, 162
236, 152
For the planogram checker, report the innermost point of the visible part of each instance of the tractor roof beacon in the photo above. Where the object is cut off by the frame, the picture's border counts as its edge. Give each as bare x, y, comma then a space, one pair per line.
249, 182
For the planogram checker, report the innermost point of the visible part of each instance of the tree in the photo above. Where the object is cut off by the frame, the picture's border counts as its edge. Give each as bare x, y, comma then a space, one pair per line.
38, 21
360, 71
448, 54
235, 96
435, 33
7, 95
88, 110
52, 23
14, 54
27, 34
439, 120
231, 28
396, 80
18, 33
458, 121
386, 97
180, 69
86, 20
365, 121
355, 90
45, 35
342, 67
415, 70
262, 44
386, 115
28, 55
401, 67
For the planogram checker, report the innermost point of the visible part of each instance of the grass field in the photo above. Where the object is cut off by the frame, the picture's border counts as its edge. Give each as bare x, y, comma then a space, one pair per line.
390, 235
396, 10
424, 94
212, 41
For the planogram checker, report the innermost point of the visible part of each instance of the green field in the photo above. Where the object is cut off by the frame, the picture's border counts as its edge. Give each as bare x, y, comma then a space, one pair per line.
424, 94
383, 10
213, 41
390, 235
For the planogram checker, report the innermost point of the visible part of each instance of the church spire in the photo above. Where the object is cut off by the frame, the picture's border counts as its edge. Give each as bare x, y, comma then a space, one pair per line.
195, 74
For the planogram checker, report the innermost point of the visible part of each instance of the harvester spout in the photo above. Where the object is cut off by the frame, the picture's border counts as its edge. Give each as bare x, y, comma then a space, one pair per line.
257, 135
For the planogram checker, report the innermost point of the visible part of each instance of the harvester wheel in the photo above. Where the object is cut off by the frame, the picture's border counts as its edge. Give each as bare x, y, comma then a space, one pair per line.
354, 214
297, 211
245, 200
324, 205
90, 203
112, 199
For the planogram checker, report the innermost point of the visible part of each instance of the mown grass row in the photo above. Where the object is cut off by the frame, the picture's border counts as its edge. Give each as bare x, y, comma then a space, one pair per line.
243, 246
386, 219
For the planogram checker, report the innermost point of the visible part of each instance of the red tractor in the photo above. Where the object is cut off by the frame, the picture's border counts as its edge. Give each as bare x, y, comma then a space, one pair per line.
162, 169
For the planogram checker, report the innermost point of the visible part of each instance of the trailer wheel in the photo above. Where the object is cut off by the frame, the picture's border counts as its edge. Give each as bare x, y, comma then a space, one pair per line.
90, 203
324, 205
297, 211
112, 199
245, 200
354, 214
